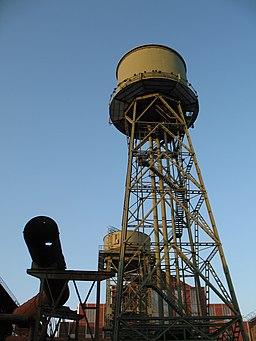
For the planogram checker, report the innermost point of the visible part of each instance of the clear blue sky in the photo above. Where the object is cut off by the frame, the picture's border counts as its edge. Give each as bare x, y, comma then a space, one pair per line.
60, 157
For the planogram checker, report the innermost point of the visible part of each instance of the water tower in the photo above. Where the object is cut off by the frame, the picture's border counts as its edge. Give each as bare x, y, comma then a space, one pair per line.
174, 283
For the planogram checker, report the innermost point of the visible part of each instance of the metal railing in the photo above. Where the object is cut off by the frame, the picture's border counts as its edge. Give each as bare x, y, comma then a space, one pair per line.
4, 285
153, 74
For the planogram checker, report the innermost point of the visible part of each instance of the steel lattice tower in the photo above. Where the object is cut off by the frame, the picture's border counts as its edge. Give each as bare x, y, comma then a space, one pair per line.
172, 273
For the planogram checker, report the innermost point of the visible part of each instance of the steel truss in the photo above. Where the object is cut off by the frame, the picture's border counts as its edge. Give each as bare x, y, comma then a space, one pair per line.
49, 317
167, 292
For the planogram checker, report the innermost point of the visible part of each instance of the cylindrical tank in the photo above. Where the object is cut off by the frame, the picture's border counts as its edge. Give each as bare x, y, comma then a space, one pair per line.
41, 235
151, 69
136, 241
150, 59
137, 249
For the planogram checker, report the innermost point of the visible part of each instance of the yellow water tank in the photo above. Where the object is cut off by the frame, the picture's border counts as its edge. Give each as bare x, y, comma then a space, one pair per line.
135, 241
150, 59
147, 70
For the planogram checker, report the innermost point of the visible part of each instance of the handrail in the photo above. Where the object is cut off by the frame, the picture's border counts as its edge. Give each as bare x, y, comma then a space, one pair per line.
4, 285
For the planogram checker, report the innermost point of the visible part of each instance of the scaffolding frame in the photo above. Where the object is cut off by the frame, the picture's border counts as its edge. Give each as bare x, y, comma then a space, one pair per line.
165, 197
38, 329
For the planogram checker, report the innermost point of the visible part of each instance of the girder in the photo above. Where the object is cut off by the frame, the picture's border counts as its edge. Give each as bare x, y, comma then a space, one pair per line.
165, 292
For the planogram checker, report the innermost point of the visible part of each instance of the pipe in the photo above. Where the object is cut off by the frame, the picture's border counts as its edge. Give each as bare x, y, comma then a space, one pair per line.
41, 235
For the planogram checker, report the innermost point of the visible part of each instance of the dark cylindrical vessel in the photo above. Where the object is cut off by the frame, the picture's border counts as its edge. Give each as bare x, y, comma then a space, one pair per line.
41, 235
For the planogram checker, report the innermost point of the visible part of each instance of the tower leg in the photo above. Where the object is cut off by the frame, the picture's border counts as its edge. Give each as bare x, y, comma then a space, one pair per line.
165, 199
